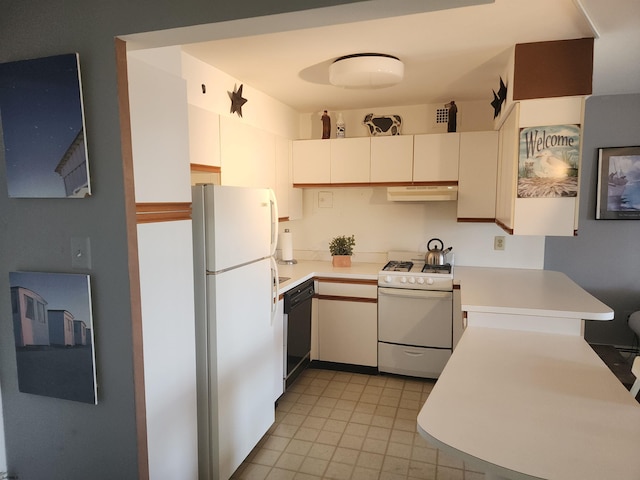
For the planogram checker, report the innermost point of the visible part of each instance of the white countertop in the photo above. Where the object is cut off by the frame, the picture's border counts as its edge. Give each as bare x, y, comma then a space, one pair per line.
533, 405
304, 270
526, 292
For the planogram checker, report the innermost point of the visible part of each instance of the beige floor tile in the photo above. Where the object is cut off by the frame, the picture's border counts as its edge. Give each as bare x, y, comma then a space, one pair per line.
293, 419
424, 454
266, 457
315, 390
448, 473
407, 413
326, 401
305, 433
323, 452
290, 461
254, 472
359, 379
362, 473
328, 438
370, 398
307, 399
362, 407
448, 461
374, 445
389, 391
389, 401
338, 471
351, 396
283, 430
379, 380
351, 441
299, 447
373, 390
370, 460
406, 424
343, 404
274, 442
314, 422
280, 474
302, 408
400, 450
357, 429
305, 476
473, 475
379, 433
386, 411
332, 425
363, 418
354, 387
345, 455
391, 476
381, 421
323, 412
314, 466
332, 393
424, 471
338, 414
399, 466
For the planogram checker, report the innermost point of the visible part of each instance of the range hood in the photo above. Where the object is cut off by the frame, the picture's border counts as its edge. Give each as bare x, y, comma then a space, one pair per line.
431, 193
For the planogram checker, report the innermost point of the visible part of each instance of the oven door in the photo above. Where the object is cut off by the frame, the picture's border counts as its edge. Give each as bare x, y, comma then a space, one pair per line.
415, 317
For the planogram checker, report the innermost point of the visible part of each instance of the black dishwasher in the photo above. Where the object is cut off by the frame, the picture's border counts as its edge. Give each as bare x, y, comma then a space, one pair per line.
297, 330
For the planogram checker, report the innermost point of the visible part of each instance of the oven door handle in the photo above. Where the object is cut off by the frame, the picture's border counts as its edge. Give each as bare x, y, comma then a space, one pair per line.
407, 293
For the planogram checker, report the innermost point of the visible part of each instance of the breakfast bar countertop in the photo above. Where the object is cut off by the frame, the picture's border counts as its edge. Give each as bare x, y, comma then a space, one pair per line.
533, 405
519, 291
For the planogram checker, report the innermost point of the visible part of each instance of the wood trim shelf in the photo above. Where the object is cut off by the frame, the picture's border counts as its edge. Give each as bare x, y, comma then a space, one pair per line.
476, 220
347, 280
162, 212
346, 299
377, 184
504, 227
198, 167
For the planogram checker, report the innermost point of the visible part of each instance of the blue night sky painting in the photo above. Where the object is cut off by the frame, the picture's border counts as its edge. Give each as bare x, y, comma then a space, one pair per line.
41, 116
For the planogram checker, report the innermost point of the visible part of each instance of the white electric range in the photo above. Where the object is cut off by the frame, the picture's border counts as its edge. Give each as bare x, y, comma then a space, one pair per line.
415, 316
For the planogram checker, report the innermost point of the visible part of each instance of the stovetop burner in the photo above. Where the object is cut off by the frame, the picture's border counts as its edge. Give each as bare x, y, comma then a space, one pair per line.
446, 268
398, 266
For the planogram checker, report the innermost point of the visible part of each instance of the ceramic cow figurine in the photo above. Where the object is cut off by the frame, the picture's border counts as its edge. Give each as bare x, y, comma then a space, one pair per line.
383, 124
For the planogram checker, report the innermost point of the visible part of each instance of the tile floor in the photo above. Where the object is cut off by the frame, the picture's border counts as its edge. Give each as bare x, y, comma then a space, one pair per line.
343, 426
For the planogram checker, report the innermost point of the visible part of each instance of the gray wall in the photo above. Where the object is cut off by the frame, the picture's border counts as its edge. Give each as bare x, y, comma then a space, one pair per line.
59, 439
605, 256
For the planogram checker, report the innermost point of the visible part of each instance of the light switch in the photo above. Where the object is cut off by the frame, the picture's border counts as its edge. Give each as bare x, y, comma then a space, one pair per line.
81, 252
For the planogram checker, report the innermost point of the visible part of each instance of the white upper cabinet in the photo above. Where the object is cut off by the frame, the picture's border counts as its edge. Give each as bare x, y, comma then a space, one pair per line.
435, 157
350, 160
204, 137
477, 176
543, 213
311, 161
392, 159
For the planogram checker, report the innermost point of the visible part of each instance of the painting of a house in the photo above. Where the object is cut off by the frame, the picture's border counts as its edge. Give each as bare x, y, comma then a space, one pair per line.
61, 328
30, 323
53, 334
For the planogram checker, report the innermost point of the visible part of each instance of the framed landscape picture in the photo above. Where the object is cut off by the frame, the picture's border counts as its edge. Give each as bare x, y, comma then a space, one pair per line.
53, 335
42, 126
618, 196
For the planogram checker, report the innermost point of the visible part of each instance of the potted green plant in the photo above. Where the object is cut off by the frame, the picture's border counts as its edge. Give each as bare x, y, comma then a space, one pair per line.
341, 249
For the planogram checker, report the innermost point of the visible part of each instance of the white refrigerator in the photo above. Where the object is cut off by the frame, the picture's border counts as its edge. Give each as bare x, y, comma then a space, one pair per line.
235, 233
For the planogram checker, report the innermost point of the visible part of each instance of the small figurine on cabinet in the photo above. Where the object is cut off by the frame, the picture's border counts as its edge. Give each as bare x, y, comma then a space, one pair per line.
453, 116
326, 125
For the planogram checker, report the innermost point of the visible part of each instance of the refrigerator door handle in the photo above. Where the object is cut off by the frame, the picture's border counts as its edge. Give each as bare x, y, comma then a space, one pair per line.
274, 221
274, 289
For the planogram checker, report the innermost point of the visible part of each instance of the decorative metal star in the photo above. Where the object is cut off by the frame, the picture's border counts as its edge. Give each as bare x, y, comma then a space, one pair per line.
496, 104
502, 93
237, 101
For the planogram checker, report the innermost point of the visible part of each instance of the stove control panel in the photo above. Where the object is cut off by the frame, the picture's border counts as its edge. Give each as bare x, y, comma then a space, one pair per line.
416, 282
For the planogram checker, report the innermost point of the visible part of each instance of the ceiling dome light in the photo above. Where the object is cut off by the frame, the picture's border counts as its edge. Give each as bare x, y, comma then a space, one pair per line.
366, 70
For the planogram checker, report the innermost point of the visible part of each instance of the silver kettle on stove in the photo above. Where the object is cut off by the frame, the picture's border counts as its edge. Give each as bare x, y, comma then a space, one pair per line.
435, 255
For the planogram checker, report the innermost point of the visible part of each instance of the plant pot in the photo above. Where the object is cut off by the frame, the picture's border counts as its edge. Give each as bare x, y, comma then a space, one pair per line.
341, 260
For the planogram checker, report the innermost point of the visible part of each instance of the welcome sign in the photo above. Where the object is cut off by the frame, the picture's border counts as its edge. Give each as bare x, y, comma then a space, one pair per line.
548, 161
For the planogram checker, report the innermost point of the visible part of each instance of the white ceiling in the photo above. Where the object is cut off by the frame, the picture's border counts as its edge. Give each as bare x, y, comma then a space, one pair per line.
448, 54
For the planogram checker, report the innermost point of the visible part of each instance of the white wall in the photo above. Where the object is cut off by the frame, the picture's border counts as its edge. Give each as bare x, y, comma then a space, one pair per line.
380, 226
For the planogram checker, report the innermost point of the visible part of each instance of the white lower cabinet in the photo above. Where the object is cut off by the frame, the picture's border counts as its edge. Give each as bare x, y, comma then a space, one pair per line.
348, 323
411, 361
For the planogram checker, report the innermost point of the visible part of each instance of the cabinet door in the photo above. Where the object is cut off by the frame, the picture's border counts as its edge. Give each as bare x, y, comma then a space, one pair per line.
350, 160
311, 161
435, 157
348, 332
477, 176
507, 171
392, 159
204, 137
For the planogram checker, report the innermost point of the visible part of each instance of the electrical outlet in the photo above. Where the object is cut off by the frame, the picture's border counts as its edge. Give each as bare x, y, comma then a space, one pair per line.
498, 242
